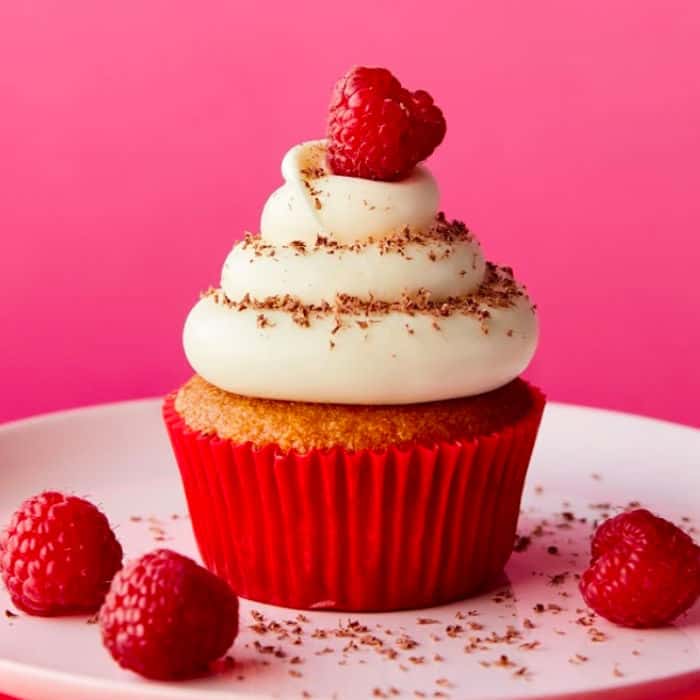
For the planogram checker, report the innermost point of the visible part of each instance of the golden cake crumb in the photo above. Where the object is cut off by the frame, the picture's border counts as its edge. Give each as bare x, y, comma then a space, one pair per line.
305, 426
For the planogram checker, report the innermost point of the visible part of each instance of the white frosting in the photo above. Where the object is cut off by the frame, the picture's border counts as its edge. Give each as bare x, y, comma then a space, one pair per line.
383, 364
379, 358
346, 209
318, 275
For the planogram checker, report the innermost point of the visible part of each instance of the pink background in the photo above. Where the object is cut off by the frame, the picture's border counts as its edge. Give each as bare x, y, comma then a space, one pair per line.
138, 140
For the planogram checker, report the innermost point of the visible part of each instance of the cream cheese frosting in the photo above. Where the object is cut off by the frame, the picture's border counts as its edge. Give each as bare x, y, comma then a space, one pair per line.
359, 292
348, 209
316, 273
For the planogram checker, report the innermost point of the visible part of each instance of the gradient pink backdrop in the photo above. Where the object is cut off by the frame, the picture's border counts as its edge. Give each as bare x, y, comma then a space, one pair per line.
138, 140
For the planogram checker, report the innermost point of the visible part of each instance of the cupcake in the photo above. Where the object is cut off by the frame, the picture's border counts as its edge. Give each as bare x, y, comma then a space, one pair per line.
356, 435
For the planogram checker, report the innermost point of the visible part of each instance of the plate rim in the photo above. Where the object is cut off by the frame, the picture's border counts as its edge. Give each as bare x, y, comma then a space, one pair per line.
157, 690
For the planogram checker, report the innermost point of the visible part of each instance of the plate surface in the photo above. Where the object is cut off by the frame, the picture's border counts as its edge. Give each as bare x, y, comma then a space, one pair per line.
530, 637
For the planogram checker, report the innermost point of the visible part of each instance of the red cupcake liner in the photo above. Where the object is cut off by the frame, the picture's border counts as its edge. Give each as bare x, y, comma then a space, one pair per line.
364, 530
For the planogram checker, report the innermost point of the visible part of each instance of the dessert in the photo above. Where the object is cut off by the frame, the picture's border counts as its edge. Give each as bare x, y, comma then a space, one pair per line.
356, 435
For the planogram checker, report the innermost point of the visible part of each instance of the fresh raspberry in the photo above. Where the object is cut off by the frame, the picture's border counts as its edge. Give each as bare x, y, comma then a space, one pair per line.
644, 570
165, 617
379, 130
58, 555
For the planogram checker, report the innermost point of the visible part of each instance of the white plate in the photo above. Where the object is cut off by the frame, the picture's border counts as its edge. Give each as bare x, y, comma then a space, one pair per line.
118, 456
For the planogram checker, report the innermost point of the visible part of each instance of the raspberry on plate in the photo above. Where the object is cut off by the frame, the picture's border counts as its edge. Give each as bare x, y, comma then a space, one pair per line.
379, 130
644, 570
166, 617
58, 555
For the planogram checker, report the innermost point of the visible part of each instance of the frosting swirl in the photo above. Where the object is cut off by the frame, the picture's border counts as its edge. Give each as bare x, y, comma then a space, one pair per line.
348, 209
447, 261
357, 291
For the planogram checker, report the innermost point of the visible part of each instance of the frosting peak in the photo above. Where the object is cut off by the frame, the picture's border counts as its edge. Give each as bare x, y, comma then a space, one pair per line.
315, 202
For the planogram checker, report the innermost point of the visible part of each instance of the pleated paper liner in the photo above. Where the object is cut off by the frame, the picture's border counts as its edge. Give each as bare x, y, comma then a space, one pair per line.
365, 530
